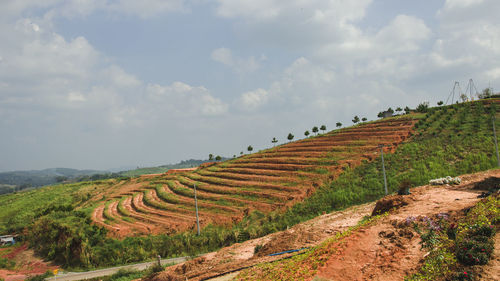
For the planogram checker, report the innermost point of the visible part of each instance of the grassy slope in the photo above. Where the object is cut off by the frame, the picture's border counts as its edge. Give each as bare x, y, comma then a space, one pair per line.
449, 141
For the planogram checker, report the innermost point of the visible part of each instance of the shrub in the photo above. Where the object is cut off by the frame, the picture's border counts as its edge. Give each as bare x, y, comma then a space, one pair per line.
422, 107
472, 252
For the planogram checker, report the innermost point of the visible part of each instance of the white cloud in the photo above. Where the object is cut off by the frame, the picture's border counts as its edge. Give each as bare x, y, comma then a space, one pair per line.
182, 100
252, 100
240, 65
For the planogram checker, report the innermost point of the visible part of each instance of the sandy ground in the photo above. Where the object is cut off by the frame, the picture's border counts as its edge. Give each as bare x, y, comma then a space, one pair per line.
384, 251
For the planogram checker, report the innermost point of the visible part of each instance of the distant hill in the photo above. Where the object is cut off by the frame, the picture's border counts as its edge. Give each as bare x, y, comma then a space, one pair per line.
191, 163
21, 180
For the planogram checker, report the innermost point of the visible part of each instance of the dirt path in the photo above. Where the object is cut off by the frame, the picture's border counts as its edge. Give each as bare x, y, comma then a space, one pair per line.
387, 252
241, 255
380, 252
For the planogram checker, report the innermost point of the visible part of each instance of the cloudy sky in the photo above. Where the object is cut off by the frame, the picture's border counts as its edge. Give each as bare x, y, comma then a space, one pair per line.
111, 83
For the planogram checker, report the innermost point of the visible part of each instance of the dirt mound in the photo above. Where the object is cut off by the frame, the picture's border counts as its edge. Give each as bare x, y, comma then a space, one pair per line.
291, 239
178, 274
388, 203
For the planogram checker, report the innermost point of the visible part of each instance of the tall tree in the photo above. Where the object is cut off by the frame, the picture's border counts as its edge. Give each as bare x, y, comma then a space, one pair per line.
306, 133
290, 137
323, 128
315, 130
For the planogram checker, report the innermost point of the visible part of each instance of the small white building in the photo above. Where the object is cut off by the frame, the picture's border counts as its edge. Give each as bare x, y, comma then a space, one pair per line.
7, 239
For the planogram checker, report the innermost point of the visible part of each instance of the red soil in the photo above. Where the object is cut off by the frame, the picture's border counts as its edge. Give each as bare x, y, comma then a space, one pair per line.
385, 250
27, 264
278, 177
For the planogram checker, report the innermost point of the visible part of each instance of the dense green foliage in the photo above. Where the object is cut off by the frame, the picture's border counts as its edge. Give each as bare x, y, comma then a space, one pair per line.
456, 247
449, 140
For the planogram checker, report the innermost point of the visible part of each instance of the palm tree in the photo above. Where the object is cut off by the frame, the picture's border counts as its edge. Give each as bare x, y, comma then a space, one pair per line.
290, 137
306, 133
315, 130
323, 128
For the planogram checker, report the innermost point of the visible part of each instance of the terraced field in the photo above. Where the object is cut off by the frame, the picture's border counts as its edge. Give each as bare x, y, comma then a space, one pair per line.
227, 191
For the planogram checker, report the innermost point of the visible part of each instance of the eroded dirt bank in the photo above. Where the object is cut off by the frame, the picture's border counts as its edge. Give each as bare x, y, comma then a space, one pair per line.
384, 251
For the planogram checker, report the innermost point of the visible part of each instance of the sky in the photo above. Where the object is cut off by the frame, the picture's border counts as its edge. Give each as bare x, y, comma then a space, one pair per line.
101, 84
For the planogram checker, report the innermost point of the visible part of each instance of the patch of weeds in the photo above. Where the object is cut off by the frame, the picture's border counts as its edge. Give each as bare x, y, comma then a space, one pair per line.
7, 263
257, 248
40, 277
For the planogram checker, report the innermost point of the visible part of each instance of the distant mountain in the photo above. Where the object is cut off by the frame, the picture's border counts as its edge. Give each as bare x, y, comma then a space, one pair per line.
18, 180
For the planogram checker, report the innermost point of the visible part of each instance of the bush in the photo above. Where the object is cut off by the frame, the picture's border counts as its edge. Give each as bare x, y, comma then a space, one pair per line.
423, 107
472, 252
462, 276
6, 263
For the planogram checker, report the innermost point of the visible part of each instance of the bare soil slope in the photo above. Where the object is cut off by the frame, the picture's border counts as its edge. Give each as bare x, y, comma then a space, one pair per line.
272, 179
384, 251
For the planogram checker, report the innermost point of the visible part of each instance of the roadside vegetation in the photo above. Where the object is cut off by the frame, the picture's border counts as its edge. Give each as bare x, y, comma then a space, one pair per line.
448, 140
456, 247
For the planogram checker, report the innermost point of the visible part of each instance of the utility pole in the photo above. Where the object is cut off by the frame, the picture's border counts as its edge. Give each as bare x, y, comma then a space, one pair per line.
381, 146
196, 208
495, 138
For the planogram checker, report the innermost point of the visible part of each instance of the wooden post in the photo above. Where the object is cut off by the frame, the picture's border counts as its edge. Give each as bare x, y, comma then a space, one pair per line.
383, 168
495, 138
196, 208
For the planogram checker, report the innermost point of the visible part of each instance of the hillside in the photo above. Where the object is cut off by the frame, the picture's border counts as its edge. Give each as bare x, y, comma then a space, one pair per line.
268, 180
249, 196
353, 245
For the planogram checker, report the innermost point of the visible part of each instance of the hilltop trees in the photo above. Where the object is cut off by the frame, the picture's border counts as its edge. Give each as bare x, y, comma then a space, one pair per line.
364, 119
338, 124
218, 158
422, 107
210, 157
290, 137
249, 148
315, 130
323, 128
355, 120
407, 110
306, 133
274, 141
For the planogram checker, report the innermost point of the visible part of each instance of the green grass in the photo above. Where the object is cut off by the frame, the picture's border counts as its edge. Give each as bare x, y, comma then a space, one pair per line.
449, 140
